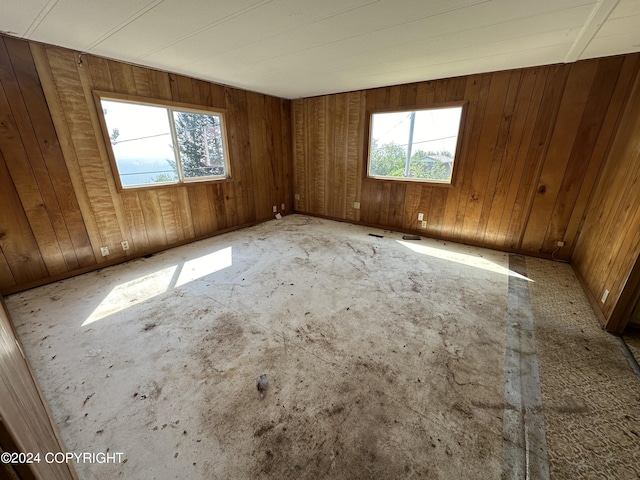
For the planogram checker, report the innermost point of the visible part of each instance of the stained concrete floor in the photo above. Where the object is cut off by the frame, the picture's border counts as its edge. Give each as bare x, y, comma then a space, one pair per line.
386, 358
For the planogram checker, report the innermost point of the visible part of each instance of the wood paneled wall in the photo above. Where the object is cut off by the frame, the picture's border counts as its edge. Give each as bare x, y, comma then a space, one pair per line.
42, 232
57, 191
607, 254
534, 142
24, 418
534, 145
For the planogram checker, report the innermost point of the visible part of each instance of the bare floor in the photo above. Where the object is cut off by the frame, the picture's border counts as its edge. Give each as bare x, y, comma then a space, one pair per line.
385, 359
632, 338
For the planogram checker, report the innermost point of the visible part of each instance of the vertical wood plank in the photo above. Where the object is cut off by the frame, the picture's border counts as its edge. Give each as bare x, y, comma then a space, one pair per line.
580, 157
451, 224
353, 146
135, 218
554, 166
59, 120
155, 229
122, 77
18, 244
141, 81
487, 141
19, 145
542, 130
53, 175
7, 280
525, 114
500, 172
69, 184
240, 152
625, 81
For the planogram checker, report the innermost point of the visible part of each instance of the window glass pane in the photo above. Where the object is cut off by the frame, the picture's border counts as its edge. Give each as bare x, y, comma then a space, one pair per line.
200, 144
415, 145
141, 142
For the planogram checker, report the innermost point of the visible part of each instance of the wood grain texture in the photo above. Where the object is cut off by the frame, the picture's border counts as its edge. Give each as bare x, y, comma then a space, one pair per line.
328, 138
533, 143
607, 252
66, 202
43, 231
22, 409
530, 172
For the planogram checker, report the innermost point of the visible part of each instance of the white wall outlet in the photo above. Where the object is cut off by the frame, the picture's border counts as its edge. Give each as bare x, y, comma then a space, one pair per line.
275, 208
561, 243
420, 217
125, 245
424, 224
356, 205
604, 296
104, 251
282, 207
297, 196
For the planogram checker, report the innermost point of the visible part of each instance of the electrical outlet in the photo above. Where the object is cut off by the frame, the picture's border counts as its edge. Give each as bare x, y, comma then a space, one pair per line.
104, 251
424, 224
275, 209
420, 217
604, 296
282, 207
125, 245
356, 205
561, 243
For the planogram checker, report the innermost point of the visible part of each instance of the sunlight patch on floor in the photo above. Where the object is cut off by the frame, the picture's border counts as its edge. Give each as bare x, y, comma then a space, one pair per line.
462, 258
143, 288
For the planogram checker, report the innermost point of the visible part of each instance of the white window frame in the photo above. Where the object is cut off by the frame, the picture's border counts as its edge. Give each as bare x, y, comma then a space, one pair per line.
457, 154
170, 107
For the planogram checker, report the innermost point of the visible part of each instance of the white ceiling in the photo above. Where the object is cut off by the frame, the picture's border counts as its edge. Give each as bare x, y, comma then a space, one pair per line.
300, 48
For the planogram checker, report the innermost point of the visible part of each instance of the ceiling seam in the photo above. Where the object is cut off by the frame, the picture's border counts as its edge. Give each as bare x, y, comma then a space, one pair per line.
475, 3
458, 49
206, 27
124, 23
591, 27
478, 2
41, 16
326, 17
503, 22
466, 59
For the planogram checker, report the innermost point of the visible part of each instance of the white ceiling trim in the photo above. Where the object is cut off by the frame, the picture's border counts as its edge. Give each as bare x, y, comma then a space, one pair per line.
597, 18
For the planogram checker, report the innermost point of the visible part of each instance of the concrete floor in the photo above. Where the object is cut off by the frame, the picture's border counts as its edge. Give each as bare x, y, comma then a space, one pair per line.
386, 358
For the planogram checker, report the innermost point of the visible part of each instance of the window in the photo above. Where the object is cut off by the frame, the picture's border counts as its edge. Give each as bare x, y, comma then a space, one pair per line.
155, 143
415, 145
